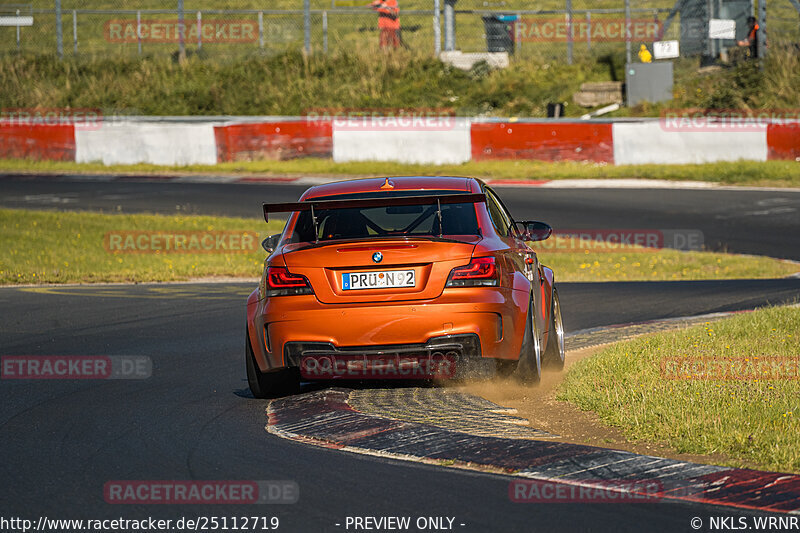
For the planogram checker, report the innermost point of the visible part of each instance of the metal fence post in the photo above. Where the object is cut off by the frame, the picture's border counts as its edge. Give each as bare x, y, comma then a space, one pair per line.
181, 33
75, 32
199, 31
710, 42
17, 30
628, 57
307, 26
569, 32
437, 29
588, 30
325, 31
59, 31
762, 29
719, 47
261, 29
449, 25
139, 31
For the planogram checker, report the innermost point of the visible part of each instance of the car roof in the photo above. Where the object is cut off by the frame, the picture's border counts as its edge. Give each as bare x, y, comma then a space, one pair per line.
399, 183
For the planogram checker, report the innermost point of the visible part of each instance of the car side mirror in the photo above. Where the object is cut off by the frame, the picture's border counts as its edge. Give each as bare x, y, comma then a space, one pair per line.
534, 231
271, 242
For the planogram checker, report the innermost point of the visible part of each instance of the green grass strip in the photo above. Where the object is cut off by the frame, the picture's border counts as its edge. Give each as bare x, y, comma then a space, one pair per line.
728, 387
69, 247
745, 173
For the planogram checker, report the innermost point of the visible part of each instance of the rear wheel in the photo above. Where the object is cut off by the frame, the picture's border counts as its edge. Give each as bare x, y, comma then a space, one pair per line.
555, 354
269, 384
529, 368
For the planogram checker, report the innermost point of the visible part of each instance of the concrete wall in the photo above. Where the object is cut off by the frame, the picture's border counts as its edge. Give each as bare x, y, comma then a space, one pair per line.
450, 144
40, 142
638, 143
273, 140
544, 141
197, 140
126, 143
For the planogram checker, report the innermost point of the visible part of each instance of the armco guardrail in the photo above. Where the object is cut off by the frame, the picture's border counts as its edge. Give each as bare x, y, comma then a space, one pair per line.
209, 140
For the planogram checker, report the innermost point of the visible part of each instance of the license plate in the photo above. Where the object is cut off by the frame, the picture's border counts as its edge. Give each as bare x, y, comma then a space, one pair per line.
411, 366
390, 279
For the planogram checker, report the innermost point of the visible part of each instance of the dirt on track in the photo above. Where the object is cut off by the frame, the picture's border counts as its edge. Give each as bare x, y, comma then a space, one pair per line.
538, 405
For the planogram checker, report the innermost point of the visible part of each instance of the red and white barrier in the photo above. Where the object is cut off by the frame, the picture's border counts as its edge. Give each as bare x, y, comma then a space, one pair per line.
446, 143
158, 143
783, 141
544, 141
39, 142
273, 140
189, 141
639, 143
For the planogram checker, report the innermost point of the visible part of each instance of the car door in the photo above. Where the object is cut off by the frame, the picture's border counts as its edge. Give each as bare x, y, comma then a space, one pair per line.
520, 255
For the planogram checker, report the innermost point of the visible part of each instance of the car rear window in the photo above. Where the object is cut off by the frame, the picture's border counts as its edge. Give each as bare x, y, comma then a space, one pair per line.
390, 221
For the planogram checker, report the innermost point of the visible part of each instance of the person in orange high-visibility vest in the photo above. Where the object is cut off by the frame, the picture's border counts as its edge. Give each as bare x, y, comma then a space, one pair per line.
388, 22
752, 37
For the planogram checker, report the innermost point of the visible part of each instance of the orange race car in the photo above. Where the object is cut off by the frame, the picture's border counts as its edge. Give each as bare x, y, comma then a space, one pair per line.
408, 277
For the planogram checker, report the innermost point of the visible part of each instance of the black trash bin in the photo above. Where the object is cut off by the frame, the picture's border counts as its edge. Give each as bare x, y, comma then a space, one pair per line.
555, 110
499, 32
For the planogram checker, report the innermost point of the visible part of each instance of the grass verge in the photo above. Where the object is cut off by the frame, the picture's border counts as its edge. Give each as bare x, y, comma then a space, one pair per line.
65, 247
704, 390
356, 75
750, 173
643, 264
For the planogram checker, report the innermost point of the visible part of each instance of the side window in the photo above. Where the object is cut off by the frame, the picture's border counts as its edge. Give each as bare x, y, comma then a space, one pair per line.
500, 218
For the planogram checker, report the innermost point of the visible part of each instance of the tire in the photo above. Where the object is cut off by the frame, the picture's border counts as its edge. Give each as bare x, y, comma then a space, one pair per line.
555, 354
269, 384
529, 368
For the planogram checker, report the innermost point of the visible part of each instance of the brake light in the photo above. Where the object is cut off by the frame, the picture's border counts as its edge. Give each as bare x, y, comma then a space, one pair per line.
281, 282
480, 272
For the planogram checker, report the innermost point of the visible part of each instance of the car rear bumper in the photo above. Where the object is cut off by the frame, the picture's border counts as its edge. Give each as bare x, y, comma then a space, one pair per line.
281, 326
442, 357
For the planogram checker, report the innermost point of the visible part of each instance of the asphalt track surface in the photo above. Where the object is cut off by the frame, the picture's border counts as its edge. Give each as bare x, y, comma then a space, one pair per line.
754, 222
61, 441
194, 418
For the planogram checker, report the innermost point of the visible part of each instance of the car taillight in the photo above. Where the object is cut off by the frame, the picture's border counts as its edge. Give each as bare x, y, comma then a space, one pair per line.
480, 272
281, 282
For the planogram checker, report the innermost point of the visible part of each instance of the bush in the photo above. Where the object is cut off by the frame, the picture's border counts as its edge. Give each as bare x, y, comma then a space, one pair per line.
291, 83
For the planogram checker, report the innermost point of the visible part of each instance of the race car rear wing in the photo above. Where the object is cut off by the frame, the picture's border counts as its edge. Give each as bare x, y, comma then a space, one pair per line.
361, 203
